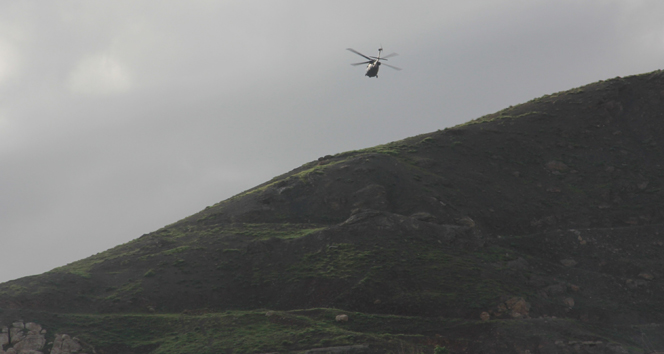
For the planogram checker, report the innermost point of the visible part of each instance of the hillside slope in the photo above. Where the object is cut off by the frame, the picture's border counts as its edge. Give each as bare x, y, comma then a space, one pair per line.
534, 226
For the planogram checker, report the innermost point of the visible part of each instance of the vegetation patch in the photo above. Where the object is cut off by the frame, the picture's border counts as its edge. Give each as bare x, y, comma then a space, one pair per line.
500, 116
336, 261
228, 332
175, 250
280, 231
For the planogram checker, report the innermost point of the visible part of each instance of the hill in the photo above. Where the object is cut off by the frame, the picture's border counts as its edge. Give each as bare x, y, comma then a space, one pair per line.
534, 229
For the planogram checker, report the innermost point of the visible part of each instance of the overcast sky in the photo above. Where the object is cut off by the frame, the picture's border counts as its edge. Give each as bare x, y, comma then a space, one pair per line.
120, 117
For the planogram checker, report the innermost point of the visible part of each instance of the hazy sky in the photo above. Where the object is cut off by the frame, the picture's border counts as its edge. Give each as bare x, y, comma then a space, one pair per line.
120, 117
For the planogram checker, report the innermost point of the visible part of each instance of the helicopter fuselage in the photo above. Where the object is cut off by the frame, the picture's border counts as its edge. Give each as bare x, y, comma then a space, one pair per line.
372, 69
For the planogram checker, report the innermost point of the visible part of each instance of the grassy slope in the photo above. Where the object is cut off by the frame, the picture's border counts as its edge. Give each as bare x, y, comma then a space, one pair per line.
296, 331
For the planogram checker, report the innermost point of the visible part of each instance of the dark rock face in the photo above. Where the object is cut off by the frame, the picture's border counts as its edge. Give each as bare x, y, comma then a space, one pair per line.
544, 211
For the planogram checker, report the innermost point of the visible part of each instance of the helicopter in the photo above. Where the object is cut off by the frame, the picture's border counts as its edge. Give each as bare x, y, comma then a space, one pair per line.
373, 62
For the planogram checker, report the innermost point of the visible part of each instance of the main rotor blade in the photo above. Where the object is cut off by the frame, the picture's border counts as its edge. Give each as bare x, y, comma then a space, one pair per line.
364, 62
393, 67
387, 56
358, 53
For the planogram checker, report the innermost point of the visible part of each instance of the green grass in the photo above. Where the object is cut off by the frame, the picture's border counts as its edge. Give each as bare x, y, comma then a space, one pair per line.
281, 231
392, 149
175, 250
263, 331
13, 290
317, 169
231, 331
302, 176
128, 289
502, 115
339, 261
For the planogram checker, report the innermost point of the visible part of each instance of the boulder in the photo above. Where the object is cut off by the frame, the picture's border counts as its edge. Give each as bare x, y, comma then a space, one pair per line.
518, 264
466, 221
64, 344
518, 307
423, 216
554, 165
31, 326
4, 338
33, 342
16, 334
342, 318
555, 289
638, 283
568, 262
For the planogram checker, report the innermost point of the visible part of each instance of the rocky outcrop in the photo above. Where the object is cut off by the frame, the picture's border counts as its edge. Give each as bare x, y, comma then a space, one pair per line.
30, 338
22, 338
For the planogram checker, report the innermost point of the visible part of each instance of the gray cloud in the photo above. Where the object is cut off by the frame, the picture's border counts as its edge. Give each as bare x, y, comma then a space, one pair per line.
119, 117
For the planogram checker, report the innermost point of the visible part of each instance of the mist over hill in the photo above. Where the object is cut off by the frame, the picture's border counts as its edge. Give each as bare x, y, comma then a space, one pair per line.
535, 229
